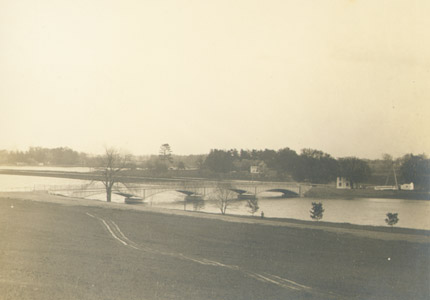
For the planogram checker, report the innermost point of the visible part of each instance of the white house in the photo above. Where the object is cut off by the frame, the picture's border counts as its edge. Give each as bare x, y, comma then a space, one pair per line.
254, 170
407, 186
343, 183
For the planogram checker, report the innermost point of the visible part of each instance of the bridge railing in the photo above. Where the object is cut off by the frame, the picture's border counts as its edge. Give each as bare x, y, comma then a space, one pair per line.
145, 190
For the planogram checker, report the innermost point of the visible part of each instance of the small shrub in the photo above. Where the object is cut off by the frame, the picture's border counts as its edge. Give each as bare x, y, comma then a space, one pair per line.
392, 219
317, 211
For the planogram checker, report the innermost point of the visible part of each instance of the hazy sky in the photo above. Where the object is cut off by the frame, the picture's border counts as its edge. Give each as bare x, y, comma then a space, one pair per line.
346, 77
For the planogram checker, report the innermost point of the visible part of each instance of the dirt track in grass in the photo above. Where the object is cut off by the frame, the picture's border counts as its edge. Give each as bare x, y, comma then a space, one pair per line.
59, 248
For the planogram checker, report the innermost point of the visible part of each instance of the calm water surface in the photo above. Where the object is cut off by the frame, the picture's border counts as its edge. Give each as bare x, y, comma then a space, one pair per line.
47, 168
412, 213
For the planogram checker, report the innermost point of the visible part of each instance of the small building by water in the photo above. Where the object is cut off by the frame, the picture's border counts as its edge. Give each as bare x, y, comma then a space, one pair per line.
407, 186
343, 183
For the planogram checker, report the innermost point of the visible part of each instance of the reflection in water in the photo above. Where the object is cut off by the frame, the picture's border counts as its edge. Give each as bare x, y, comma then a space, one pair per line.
253, 206
197, 203
412, 213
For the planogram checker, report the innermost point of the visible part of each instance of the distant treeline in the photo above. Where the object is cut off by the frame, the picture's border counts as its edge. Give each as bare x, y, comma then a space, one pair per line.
310, 165
315, 166
62, 156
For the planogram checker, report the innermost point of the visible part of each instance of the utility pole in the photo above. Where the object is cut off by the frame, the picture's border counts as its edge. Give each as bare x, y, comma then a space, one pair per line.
395, 178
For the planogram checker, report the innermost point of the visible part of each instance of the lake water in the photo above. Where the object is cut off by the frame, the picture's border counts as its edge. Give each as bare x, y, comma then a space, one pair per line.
47, 168
412, 213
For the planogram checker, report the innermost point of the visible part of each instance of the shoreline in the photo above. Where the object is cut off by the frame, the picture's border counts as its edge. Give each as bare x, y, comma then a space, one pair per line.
351, 194
374, 232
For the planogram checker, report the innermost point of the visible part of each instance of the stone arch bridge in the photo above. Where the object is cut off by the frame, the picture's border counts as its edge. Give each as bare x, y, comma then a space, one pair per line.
198, 188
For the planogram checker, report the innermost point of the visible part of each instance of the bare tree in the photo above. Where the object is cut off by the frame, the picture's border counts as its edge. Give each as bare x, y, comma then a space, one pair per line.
112, 163
224, 196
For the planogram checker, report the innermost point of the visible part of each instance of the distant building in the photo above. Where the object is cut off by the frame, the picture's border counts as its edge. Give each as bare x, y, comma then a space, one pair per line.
254, 170
407, 186
343, 183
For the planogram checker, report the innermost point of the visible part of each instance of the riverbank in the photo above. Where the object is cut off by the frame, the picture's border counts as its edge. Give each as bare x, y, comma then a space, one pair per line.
333, 193
374, 232
64, 248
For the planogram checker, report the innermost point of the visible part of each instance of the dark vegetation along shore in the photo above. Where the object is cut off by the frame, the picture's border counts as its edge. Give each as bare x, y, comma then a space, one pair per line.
77, 249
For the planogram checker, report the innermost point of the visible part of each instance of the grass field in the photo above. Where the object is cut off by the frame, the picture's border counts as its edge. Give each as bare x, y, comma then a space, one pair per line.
59, 248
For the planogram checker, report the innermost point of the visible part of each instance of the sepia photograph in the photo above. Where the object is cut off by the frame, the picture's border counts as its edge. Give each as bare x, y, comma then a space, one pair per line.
214, 150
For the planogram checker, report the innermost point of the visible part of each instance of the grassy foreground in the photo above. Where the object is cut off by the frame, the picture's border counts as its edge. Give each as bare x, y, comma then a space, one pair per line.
57, 248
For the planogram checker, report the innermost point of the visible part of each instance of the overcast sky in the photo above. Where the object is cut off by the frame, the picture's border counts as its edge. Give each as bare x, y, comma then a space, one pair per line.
351, 78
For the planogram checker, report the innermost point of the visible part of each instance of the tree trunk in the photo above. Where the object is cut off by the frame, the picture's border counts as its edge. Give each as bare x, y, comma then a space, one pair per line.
223, 208
108, 194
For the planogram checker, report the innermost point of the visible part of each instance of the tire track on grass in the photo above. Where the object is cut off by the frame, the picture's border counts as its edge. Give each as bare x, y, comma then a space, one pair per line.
114, 230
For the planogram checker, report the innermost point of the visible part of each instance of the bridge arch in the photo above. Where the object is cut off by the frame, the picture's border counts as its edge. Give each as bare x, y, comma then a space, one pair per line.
285, 193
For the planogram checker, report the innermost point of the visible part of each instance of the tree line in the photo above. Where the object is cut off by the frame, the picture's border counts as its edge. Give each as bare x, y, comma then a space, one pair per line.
317, 167
61, 156
310, 165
